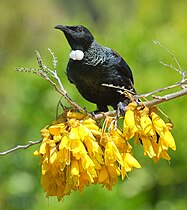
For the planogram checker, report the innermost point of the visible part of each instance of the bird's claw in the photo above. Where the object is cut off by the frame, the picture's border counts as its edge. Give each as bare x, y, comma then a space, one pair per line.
121, 109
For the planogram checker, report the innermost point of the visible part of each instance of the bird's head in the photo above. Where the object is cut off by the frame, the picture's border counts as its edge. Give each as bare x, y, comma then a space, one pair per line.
78, 37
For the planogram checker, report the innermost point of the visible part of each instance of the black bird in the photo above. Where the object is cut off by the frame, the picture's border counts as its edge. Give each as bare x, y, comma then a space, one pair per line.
91, 65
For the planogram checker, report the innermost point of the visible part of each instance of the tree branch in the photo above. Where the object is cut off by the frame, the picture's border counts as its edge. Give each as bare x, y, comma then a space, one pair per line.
157, 100
45, 72
168, 97
145, 95
179, 69
31, 143
64, 94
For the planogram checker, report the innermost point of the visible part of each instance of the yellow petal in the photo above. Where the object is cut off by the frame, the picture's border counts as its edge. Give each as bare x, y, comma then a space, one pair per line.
163, 130
130, 123
86, 162
42, 149
85, 132
129, 118
74, 134
92, 127
85, 179
36, 153
146, 125
74, 168
76, 115
157, 148
65, 143
158, 123
128, 132
112, 154
165, 155
53, 157
56, 129
132, 162
123, 173
169, 140
96, 133
88, 121
77, 148
118, 138
45, 132
148, 148
103, 174
113, 170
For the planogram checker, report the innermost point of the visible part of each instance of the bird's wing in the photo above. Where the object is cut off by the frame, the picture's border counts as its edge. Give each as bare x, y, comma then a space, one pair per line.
123, 66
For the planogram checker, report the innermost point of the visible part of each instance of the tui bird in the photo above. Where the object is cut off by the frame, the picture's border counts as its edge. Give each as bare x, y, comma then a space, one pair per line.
91, 65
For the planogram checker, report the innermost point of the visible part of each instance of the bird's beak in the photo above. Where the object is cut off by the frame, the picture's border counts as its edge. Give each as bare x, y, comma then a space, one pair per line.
62, 28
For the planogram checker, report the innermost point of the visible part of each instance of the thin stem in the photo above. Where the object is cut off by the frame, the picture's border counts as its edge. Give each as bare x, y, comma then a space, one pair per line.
168, 97
145, 95
172, 55
31, 143
63, 93
158, 100
179, 69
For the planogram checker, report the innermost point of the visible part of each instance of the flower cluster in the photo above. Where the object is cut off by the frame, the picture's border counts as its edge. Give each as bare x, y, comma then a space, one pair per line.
147, 127
76, 150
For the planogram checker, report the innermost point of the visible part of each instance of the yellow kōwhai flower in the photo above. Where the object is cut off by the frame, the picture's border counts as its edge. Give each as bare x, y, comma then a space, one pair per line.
77, 151
163, 130
70, 154
148, 128
130, 124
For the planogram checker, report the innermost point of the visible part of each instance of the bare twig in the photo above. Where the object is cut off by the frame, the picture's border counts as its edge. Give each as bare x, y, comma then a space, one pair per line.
179, 69
168, 97
172, 55
145, 95
55, 61
44, 71
31, 143
157, 100
75, 105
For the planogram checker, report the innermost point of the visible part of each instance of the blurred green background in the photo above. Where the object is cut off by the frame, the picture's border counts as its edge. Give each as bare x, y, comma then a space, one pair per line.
28, 103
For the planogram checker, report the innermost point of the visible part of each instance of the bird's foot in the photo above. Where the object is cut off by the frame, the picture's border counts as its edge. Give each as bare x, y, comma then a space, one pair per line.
121, 109
94, 113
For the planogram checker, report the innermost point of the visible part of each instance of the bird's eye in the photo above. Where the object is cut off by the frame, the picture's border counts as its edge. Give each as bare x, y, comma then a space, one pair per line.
79, 29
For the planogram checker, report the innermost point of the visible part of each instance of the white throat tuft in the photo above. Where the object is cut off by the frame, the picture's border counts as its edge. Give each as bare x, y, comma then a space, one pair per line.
76, 55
